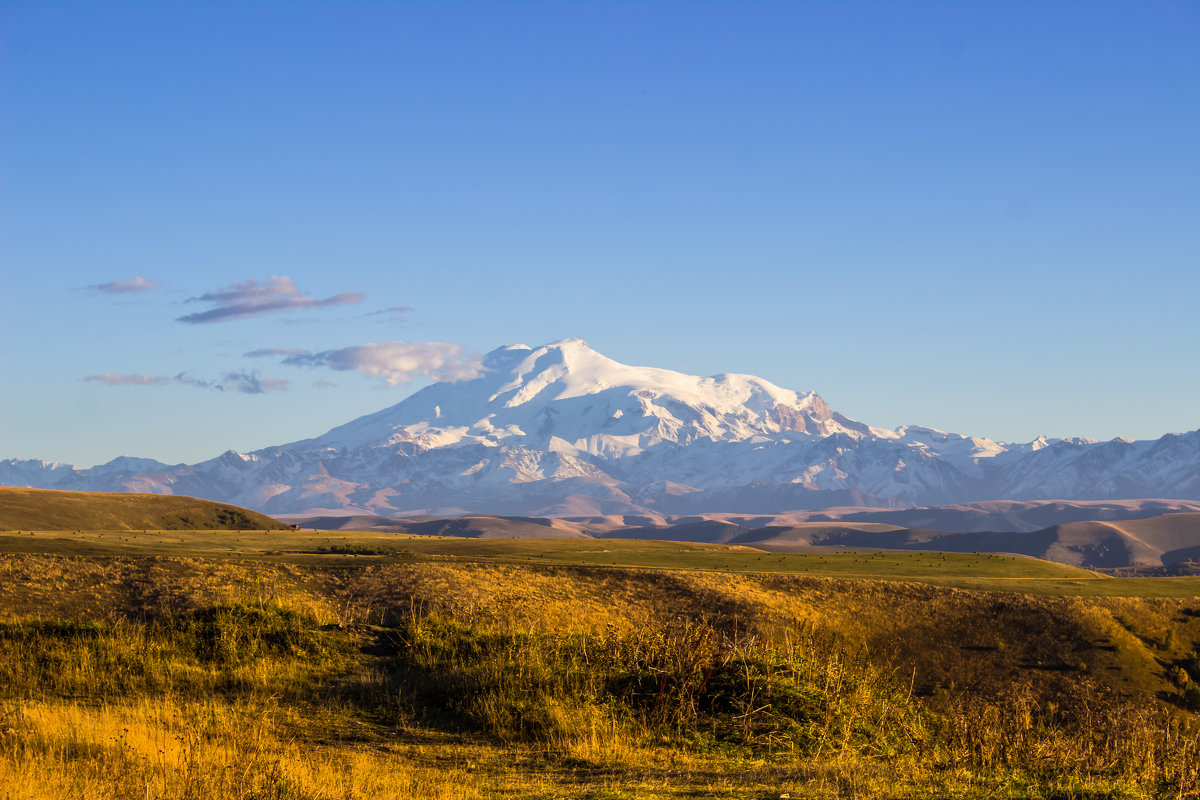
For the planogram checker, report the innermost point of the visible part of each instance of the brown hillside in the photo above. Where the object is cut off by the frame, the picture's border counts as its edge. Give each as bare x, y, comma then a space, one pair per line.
1163, 540
51, 510
470, 526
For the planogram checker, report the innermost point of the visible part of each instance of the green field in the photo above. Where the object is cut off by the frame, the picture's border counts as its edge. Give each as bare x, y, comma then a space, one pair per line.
980, 572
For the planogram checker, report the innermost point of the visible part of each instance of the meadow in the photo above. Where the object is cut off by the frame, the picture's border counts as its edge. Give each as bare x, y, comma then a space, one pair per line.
280, 664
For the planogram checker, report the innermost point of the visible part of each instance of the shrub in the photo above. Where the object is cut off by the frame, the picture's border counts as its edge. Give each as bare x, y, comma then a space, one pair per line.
1191, 697
684, 682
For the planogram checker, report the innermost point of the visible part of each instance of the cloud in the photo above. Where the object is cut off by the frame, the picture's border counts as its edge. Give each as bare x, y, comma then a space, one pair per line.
241, 382
250, 298
188, 380
131, 286
323, 384
246, 383
398, 362
274, 351
113, 379
393, 310
395, 316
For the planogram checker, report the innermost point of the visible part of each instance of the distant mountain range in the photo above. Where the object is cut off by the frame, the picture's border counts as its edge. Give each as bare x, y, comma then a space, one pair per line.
561, 430
1094, 535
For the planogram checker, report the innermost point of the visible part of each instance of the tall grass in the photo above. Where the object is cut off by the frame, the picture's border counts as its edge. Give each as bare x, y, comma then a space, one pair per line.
219, 648
257, 700
168, 748
694, 688
685, 683
219, 702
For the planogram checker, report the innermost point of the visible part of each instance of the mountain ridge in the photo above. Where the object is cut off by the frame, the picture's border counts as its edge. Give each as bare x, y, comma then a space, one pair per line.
562, 430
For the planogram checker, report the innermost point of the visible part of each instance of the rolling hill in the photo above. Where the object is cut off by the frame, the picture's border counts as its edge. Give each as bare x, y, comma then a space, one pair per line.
471, 526
1163, 541
49, 510
1166, 540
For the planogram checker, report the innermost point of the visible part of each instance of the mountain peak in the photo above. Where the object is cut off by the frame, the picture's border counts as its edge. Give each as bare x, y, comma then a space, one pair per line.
569, 392
509, 351
563, 426
570, 342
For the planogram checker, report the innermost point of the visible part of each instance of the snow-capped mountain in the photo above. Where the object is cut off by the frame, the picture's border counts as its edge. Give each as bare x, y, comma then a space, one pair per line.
561, 429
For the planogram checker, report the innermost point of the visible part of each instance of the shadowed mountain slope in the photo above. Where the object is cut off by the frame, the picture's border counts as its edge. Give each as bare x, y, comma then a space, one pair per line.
1008, 515
1160, 541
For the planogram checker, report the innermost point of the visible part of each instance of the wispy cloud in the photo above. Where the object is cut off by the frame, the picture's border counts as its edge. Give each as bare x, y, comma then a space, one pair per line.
113, 379
323, 384
251, 298
131, 286
398, 362
247, 383
240, 382
268, 352
391, 312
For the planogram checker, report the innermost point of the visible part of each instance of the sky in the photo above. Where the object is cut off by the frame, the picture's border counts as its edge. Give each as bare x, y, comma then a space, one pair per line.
229, 225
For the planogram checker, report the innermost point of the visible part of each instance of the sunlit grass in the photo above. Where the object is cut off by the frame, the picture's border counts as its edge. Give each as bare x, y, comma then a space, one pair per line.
166, 747
496, 671
263, 701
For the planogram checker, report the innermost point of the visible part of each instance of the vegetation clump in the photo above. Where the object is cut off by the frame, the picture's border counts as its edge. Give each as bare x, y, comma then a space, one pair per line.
220, 648
685, 683
356, 550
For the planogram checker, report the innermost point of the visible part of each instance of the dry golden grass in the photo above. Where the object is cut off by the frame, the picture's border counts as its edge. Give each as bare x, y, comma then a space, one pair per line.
924, 691
163, 747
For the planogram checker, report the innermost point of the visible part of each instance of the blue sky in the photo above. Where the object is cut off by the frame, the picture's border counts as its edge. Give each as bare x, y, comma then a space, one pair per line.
982, 217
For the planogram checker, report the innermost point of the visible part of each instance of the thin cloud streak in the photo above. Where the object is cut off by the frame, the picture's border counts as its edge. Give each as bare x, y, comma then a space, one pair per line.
113, 379
268, 352
239, 382
398, 362
250, 298
131, 286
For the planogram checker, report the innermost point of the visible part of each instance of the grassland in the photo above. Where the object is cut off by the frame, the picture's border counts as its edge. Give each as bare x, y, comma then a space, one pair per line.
975, 571
256, 664
46, 509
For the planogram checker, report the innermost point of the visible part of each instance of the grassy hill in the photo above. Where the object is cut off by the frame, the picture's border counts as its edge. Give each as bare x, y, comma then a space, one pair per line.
180, 664
50, 510
978, 571
203, 664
